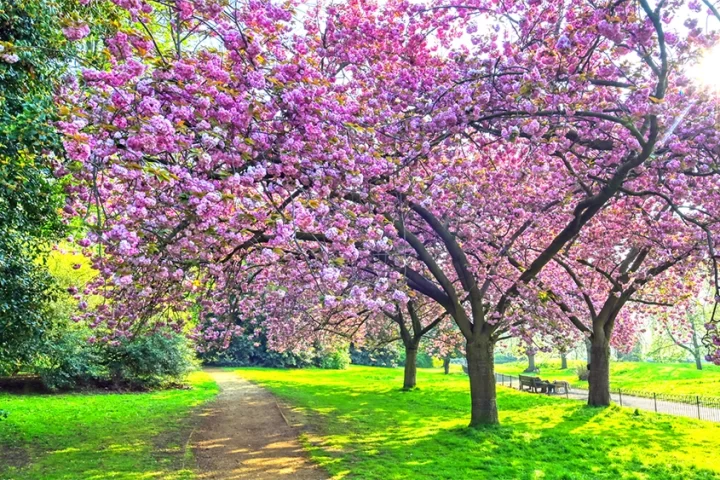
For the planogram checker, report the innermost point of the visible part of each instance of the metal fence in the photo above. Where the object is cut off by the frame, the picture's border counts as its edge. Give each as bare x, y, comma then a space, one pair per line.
693, 406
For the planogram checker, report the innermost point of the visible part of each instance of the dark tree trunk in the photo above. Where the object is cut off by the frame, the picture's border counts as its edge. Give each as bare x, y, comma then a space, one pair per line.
563, 361
446, 364
599, 380
410, 368
481, 370
531, 363
698, 360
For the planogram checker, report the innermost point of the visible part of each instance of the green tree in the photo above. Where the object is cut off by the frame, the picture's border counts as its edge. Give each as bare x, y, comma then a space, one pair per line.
34, 54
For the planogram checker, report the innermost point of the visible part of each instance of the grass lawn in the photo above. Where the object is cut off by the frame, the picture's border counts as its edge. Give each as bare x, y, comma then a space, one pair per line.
675, 378
361, 426
100, 436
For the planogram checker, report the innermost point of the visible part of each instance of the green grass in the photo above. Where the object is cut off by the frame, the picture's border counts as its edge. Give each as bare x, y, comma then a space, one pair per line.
675, 378
364, 427
100, 436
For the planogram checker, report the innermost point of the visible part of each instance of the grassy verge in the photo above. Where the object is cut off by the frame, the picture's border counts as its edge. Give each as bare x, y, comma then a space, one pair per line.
675, 378
366, 428
100, 436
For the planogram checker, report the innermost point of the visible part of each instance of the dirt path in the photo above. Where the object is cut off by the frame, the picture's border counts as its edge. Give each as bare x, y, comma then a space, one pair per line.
243, 436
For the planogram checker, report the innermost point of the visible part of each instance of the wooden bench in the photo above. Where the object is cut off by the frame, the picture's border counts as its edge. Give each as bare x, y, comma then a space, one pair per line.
535, 384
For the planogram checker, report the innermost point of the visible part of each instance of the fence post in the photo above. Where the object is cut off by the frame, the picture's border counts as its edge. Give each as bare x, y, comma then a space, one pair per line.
620, 393
697, 397
655, 398
510, 382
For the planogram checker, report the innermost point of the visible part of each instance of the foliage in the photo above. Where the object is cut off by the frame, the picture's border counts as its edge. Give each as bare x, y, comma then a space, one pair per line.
364, 425
338, 359
147, 361
252, 351
583, 373
34, 53
662, 349
423, 359
386, 356
505, 358
25, 290
102, 436
632, 354
68, 362
28, 197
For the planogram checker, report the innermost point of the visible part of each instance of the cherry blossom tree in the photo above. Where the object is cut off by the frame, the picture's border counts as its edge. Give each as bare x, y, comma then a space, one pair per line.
409, 319
603, 90
273, 155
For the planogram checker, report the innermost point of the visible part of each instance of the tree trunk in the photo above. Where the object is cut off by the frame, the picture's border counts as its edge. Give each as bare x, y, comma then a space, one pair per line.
698, 361
599, 380
410, 368
481, 370
531, 363
563, 361
588, 350
446, 364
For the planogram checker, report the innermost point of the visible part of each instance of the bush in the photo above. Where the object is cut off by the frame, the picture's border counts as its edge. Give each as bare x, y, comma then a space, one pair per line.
70, 362
423, 360
505, 358
583, 373
334, 360
376, 357
252, 351
148, 361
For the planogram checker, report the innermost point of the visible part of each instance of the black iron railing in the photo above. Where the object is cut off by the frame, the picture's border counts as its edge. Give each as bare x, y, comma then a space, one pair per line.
694, 406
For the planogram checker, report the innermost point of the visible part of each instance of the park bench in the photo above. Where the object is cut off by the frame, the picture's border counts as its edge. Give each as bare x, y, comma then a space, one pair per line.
533, 384
537, 385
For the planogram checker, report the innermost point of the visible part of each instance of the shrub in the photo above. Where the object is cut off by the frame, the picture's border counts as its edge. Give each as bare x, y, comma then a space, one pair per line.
583, 373
423, 360
376, 357
69, 362
335, 360
252, 351
148, 361
505, 358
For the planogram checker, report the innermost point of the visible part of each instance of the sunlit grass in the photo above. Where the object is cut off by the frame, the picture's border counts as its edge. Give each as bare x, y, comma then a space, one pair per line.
676, 378
100, 436
365, 427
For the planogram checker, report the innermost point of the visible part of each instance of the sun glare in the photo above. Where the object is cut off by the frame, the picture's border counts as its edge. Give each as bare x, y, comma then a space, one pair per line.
707, 71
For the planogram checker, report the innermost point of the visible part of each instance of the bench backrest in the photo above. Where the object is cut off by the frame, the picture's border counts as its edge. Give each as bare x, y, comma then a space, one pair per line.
525, 380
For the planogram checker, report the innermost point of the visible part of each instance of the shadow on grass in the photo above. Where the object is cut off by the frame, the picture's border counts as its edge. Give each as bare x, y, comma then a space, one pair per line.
363, 427
92, 437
